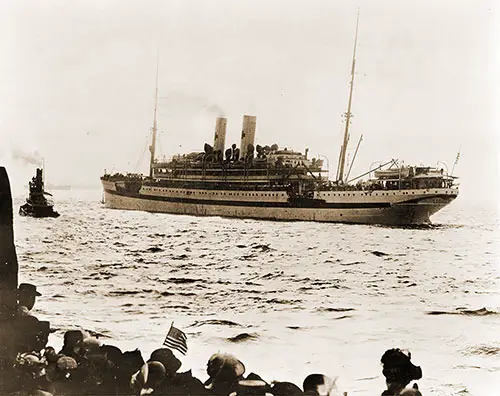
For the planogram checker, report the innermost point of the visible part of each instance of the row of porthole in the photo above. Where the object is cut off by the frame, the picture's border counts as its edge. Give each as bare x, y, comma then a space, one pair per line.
277, 195
222, 193
404, 192
343, 194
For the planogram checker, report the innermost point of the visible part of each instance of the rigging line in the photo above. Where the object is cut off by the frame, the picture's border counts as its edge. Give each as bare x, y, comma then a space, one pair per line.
340, 155
141, 158
159, 147
354, 157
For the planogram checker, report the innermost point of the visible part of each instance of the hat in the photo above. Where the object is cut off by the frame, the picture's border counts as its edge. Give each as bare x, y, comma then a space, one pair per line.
320, 384
166, 357
65, 363
285, 389
29, 359
224, 367
252, 388
29, 289
113, 353
91, 344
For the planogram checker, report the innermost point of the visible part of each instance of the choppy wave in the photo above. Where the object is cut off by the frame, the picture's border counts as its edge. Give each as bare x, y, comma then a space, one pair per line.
243, 337
183, 280
468, 312
321, 295
330, 309
485, 350
217, 322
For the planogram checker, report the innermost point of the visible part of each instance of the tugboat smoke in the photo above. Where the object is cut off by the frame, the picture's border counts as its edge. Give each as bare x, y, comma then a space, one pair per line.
29, 158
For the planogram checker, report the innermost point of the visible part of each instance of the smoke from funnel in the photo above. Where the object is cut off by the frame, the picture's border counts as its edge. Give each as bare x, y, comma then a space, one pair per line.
185, 102
34, 158
213, 108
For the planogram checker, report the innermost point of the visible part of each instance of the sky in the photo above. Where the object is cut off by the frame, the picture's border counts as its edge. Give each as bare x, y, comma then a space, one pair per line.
77, 82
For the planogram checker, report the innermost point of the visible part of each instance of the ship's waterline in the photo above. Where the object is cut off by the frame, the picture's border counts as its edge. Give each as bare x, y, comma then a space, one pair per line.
363, 211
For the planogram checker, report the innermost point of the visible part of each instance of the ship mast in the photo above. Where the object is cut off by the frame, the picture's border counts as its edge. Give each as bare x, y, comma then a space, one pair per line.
348, 115
155, 127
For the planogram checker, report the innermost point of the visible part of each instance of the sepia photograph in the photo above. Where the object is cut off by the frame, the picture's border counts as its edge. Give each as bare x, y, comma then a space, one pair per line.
249, 197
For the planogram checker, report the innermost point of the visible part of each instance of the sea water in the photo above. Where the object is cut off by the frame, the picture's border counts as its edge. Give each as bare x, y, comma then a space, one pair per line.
287, 298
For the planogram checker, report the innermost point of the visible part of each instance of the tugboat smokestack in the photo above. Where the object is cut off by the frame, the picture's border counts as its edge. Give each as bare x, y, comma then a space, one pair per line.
247, 133
220, 134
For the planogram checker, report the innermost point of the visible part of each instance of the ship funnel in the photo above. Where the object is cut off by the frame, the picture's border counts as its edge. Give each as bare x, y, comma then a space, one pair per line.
220, 134
39, 175
247, 134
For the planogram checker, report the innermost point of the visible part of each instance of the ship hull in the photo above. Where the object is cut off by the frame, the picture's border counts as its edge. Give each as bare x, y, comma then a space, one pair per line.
37, 211
370, 209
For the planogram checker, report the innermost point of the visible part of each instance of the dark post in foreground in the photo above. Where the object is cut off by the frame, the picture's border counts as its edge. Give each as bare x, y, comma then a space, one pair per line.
8, 274
19, 331
8, 257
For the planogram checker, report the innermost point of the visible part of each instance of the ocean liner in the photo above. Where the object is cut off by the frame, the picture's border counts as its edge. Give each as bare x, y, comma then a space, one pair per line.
267, 182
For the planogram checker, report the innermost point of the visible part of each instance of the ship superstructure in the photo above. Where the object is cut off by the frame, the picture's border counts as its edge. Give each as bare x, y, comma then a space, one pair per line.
269, 182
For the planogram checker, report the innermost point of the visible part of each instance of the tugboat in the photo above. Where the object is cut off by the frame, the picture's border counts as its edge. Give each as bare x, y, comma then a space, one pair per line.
39, 203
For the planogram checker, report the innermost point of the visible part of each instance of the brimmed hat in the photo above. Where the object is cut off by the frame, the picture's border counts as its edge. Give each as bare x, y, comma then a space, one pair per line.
251, 388
224, 367
285, 389
28, 288
166, 357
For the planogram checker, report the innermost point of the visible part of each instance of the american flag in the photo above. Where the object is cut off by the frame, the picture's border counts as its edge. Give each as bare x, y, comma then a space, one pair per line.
176, 339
